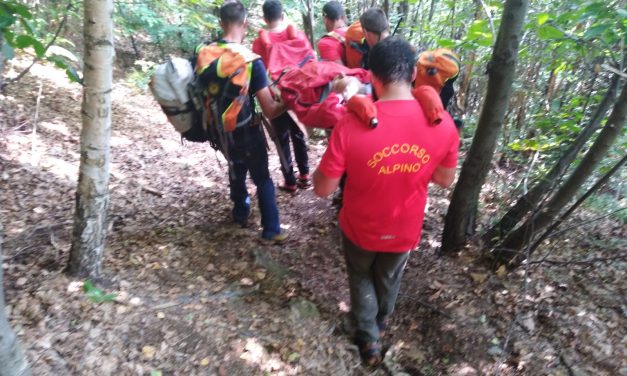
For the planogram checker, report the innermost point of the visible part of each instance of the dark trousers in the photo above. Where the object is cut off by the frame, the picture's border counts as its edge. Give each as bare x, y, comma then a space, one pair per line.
287, 129
374, 279
248, 154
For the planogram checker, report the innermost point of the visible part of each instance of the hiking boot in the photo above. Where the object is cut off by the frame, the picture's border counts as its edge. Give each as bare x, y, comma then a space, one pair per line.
370, 353
288, 188
243, 223
275, 239
303, 181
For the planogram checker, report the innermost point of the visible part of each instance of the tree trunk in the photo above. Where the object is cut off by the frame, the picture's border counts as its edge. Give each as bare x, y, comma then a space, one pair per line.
386, 8
534, 196
432, 10
509, 249
413, 23
12, 359
469, 63
308, 21
92, 194
464, 87
1, 60
501, 71
403, 9
580, 201
550, 87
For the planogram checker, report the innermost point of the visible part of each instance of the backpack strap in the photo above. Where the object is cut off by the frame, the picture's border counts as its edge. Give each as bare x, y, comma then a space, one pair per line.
335, 35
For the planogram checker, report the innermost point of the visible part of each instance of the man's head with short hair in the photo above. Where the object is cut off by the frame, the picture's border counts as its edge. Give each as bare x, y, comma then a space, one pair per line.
272, 10
232, 12
233, 21
393, 60
333, 10
333, 15
375, 25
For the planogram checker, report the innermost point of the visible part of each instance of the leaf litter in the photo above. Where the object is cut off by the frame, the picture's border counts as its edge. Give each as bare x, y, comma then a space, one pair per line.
184, 292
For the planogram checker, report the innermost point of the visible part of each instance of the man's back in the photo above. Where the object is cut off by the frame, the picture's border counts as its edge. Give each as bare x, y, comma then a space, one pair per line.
388, 171
331, 46
275, 37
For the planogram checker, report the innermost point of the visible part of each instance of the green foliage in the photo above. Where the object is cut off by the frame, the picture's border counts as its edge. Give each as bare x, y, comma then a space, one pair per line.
95, 294
140, 75
16, 29
22, 27
177, 27
605, 203
479, 33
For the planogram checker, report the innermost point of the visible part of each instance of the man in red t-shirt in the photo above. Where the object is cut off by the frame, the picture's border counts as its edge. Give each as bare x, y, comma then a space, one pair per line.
331, 46
284, 125
388, 169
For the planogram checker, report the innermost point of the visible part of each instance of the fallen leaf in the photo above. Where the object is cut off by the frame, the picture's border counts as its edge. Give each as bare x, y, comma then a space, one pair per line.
501, 271
148, 352
293, 357
204, 362
478, 277
246, 282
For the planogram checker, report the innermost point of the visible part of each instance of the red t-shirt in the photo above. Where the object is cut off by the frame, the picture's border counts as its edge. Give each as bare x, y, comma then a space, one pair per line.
330, 48
275, 37
388, 169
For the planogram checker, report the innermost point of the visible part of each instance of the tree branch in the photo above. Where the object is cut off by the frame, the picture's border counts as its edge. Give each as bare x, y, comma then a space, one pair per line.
37, 58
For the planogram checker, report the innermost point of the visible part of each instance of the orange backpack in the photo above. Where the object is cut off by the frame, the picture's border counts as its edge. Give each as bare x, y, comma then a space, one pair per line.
356, 46
435, 67
223, 72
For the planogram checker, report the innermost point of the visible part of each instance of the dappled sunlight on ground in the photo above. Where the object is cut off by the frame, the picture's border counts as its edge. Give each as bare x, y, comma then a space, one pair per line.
196, 294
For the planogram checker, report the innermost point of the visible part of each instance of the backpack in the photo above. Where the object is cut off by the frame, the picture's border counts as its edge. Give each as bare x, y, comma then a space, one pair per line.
436, 67
292, 53
223, 73
355, 46
171, 84
205, 103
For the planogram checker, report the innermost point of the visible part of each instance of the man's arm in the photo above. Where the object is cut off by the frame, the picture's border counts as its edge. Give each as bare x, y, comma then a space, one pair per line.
269, 106
259, 87
324, 185
443, 176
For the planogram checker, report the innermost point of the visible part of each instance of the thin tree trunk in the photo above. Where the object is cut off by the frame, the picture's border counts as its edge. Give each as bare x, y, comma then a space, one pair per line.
413, 23
464, 87
501, 70
92, 194
1, 60
432, 10
12, 359
308, 21
578, 203
403, 8
534, 196
550, 87
386, 8
509, 250
130, 36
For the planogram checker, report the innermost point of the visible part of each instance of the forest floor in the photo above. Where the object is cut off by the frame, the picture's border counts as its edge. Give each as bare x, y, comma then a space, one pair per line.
196, 295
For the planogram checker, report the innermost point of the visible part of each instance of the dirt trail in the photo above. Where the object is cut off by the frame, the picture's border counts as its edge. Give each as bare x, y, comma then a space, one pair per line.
197, 295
